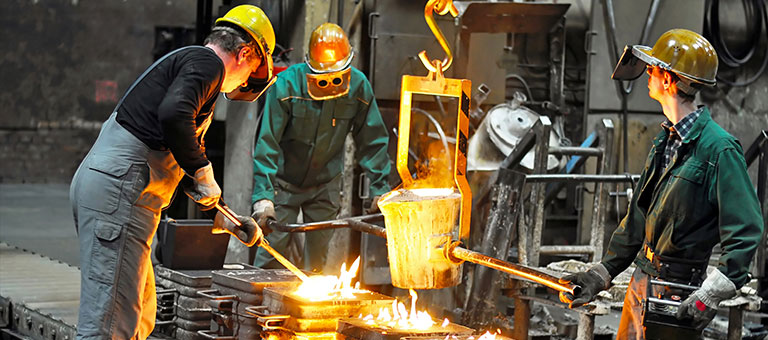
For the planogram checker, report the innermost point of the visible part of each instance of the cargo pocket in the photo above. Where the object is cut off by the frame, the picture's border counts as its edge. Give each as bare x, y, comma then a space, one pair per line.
101, 187
107, 246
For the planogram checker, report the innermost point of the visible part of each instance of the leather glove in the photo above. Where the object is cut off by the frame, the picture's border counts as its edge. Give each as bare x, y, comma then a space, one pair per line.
701, 305
592, 281
374, 207
204, 189
248, 233
263, 212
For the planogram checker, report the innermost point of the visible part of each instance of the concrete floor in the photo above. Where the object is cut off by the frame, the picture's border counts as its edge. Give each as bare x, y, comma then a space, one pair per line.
38, 217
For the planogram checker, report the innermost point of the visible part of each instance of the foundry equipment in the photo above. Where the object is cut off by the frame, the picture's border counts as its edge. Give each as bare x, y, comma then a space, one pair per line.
660, 311
428, 212
229, 214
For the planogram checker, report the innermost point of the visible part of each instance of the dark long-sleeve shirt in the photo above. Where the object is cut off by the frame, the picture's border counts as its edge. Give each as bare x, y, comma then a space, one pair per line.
169, 109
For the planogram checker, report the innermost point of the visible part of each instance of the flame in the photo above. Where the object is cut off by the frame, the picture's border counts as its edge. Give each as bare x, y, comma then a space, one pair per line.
486, 336
399, 317
328, 287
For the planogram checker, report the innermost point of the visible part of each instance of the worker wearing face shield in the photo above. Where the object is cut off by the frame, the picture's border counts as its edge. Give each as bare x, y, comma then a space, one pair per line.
298, 154
693, 193
152, 141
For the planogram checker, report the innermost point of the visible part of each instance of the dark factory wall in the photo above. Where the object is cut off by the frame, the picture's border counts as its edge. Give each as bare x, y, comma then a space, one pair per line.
64, 65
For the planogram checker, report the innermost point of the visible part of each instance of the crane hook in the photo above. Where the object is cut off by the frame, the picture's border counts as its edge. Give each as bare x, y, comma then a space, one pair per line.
441, 7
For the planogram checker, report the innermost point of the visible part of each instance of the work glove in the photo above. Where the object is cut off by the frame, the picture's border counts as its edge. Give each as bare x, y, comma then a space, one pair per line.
263, 212
592, 281
701, 305
374, 207
204, 189
248, 232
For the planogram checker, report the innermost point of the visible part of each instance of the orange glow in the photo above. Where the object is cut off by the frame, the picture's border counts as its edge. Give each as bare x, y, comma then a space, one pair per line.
328, 287
445, 171
400, 318
486, 336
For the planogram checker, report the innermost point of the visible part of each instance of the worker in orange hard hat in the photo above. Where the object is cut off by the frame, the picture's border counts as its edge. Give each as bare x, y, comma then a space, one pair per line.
298, 155
148, 145
694, 193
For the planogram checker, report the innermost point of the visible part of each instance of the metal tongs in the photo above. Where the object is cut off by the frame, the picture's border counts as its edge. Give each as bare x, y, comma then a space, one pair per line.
229, 214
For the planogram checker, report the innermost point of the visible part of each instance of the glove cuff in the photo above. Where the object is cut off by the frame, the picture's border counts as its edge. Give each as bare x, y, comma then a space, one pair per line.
262, 206
717, 287
600, 271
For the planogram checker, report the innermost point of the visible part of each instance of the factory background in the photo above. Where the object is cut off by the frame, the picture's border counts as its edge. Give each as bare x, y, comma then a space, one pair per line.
66, 64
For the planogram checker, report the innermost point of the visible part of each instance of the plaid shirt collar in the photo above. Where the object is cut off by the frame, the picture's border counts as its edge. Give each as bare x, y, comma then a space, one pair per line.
684, 126
677, 133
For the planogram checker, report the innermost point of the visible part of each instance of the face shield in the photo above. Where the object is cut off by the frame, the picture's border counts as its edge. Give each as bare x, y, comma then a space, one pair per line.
324, 86
633, 62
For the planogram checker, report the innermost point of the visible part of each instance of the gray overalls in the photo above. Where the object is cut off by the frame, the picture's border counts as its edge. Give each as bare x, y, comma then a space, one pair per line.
117, 195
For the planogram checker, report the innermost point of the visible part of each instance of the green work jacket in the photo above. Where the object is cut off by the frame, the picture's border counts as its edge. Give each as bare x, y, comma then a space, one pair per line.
704, 197
301, 140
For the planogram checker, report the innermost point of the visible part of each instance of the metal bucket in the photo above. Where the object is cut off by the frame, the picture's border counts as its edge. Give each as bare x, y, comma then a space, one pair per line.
420, 222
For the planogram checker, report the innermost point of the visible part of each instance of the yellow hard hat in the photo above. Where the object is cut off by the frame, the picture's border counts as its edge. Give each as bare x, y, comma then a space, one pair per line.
683, 52
329, 49
253, 20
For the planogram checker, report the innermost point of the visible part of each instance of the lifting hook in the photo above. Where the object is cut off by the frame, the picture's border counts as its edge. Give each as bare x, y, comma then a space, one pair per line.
441, 7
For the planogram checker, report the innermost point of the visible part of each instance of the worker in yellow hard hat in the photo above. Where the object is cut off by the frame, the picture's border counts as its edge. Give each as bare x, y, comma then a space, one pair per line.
298, 154
152, 141
693, 193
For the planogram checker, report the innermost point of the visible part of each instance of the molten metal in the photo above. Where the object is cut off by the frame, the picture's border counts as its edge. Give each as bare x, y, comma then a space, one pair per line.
329, 287
401, 319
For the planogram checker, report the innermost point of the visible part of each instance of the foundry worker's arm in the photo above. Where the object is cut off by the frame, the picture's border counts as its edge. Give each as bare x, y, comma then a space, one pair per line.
371, 141
177, 113
740, 219
266, 153
625, 242
741, 227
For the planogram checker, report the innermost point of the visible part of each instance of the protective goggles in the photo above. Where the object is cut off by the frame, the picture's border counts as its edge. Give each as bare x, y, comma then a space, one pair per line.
324, 86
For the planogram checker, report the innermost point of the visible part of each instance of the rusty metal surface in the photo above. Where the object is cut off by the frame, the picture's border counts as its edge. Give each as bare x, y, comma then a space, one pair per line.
355, 328
255, 280
44, 293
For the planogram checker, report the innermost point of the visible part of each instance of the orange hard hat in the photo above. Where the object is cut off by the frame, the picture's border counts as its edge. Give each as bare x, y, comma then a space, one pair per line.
685, 53
329, 49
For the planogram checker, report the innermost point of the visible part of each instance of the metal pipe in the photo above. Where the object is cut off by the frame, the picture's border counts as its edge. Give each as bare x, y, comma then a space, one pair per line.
559, 250
664, 302
355, 223
575, 150
578, 178
673, 285
458, 254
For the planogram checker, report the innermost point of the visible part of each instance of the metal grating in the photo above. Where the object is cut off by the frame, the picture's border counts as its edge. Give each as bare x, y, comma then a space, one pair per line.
41, 295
